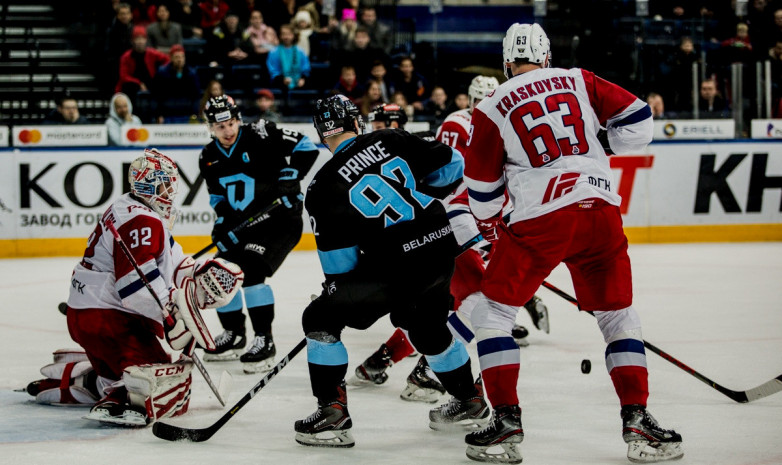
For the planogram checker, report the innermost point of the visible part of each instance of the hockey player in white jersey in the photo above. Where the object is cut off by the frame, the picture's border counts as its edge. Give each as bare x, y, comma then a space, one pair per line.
536, 136
134, 367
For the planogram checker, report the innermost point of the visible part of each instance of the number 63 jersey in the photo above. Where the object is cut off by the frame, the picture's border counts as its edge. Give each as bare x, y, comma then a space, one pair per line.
376, 200
106, 279
537, 135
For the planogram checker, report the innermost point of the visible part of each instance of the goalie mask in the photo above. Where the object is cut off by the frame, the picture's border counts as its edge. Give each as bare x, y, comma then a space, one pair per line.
335, 115
154, 179
480, 88
526, 43
388, 113
220, 109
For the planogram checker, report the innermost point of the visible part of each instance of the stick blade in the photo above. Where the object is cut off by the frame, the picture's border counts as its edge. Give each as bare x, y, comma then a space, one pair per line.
175, 433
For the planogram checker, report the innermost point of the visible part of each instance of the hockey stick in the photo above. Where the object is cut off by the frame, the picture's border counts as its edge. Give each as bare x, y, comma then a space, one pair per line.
258, 216
176, 433
764, 390
197, 361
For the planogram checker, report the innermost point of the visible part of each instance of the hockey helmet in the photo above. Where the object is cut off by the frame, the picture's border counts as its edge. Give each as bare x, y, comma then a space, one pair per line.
335, 115
154, 179
525, 43
480, 88
387, 113
220, 109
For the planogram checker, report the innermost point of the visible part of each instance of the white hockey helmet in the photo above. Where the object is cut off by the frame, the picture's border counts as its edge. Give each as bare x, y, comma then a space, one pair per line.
526, 42
480, 88
154, 179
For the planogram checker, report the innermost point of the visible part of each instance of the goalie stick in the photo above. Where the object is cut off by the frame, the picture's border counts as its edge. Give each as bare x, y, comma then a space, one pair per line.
176, 433
225, 376
256, 217
764, 390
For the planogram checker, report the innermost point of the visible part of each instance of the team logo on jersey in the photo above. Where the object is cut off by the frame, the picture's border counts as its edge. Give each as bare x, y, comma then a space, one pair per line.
259, 249
245, 157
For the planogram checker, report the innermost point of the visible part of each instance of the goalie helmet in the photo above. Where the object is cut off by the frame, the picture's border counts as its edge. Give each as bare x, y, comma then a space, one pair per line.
480, 88
335, 115
220, 109
387, 113
527, 43
154, 179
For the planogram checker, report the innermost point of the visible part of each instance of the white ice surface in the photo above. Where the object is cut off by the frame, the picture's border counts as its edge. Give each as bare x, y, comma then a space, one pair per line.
715, 307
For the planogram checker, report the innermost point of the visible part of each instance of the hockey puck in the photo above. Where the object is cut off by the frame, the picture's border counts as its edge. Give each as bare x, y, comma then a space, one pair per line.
63, 308
586, 366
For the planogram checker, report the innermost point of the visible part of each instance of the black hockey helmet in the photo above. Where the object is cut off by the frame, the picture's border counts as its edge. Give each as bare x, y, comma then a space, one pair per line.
221, 108
335, 115
388, 113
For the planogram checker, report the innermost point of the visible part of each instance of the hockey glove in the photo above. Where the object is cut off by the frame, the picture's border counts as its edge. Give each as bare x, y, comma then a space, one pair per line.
291, 201
222, 235
490, 227
217, 282
289, 174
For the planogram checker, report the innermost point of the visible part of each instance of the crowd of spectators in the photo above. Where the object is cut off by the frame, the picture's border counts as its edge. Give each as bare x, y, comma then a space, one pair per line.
166, 56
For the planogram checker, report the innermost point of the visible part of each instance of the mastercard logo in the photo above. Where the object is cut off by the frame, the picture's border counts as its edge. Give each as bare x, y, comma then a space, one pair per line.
29, 136
138, 135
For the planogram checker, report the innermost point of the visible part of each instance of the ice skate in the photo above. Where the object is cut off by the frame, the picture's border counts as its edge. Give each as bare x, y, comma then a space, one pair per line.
465, 415
499, 441
538, 312
422, 386
373, 370
118, 414
646, 441
260, 356
228, 344
329, 426
519, 334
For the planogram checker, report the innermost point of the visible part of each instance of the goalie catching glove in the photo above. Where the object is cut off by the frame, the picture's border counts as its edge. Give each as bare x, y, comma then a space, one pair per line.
217, 280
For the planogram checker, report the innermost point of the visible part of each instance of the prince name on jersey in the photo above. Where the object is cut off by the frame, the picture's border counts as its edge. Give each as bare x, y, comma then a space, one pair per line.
245, 177
377, 183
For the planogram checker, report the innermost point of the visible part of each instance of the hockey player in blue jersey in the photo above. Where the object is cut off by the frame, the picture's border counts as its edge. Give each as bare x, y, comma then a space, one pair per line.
245, 169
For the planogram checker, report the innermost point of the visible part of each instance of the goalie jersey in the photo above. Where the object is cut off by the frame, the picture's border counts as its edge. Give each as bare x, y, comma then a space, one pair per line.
376, 199
106, 279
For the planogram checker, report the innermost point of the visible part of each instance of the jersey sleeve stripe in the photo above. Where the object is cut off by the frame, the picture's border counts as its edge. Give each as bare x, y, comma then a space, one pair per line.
457, 212
305, 144
215, 199
486, 196
635, 117
135, 285
449, 173
339, 261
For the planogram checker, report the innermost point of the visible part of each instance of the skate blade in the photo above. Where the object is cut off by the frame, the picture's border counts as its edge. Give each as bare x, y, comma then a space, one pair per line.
414, 393
359, 382
132, 421
644, 452
497, 453
463, 425
337, 438
228, 356
258, 367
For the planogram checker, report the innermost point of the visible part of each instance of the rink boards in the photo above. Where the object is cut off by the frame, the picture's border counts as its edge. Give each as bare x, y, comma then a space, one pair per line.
51, 199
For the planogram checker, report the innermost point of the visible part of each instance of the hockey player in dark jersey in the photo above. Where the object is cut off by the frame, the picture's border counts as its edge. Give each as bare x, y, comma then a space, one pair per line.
465, 285
245, 169
386, 248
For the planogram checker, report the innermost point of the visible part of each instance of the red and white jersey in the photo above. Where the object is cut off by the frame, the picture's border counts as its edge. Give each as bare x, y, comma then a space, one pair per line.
536, 135
106, 279
455, 130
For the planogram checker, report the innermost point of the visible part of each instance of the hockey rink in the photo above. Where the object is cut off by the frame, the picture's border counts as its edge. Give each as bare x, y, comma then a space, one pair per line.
715, 307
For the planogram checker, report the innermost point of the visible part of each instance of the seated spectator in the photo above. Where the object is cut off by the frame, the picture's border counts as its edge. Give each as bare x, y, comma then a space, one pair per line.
379, 75
302, 24
260, 38
348, 85
380, 35
143, 12
264, 108
118, 41
138, 66
120, 113
436, 106
460, 102
320, 21
737, 49
711, 105
225, 43
400, 99
212, 14
288, 66
67, 112
342, 35
371, 98
656, 104
164, 33
213, 89
176, 87
360, 54
188, 16
413, 85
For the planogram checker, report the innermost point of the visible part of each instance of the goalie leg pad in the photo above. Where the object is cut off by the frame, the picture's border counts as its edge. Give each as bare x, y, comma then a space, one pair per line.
70, 380
187, 309
163, 389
